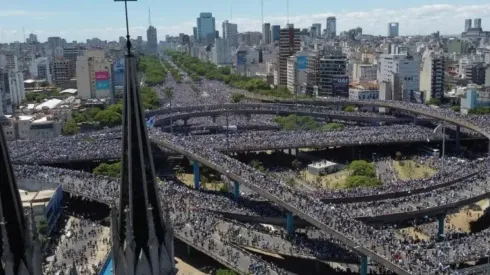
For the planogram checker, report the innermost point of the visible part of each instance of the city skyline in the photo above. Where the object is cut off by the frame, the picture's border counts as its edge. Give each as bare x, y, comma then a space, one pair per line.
416, 17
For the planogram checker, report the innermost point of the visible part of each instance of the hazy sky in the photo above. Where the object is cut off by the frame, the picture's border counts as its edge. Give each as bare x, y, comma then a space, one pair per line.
82, 19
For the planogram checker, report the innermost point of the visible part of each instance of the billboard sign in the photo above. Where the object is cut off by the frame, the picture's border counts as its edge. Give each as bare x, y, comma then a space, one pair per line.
102, 85
340, 85
417, 97
301, 62
118, 72
101, 75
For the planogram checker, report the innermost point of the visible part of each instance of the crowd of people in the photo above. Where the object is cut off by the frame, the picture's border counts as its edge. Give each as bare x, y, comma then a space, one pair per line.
331, 218
353, 135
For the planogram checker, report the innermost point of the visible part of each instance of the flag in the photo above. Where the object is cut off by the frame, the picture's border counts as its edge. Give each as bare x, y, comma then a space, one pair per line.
150, 122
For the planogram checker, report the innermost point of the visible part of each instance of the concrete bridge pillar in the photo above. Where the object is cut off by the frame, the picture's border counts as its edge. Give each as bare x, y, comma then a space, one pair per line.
236, 190
213, 118
440, 227
290, 151
414, 120
249, 117
290, 223
363, 269
197, 176
189, 250
458, 144
185, 122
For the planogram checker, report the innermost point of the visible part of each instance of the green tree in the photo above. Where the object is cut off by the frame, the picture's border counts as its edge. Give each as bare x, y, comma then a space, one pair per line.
236, 97
362, 168
43, 227
256, 164
108, 118
92, 112
117, 108
456, 108
296, 164
111, 170
350, 108
70, 128
398, 155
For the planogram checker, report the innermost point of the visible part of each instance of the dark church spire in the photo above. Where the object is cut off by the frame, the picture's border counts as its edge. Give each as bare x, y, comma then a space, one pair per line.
16, 249
142, 238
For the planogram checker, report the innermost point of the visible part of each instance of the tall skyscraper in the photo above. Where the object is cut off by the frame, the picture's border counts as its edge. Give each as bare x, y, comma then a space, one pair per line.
477, 23
230, 33
318, 28
194, 32
151, 35
289, 44
206, 29
467, 25
331, 27
276, 30
393, 29
266, 33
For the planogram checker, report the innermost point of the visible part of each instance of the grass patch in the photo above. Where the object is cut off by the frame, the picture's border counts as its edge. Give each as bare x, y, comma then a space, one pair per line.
410, 170
188, 179
332, 181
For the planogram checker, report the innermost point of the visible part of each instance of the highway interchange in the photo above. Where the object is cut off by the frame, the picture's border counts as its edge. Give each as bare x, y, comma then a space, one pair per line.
359, 237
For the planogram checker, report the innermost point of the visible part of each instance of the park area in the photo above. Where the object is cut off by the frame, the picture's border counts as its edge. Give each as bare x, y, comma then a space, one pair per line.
410, 170
208, 184
358, 173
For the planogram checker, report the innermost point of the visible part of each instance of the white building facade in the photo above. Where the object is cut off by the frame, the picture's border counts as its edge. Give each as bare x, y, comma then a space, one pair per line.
364, 72
406, 67
221, 52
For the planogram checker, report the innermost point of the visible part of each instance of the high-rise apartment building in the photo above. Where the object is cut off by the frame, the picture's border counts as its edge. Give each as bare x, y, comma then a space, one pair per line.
72, 54
194, 32
62, 72
266, 33
332, 75
467, 25
331, 27
275, 33
221, 52
13, 82
406, 67
289, 44
206, 29
318, 30
151, 36
312, 72
477, 23
393, 29
230, 33
297, 66
250, 38
93, 75
432, 75
32, 38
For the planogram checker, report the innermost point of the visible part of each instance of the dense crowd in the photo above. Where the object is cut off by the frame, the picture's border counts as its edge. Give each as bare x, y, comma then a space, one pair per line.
334, 219
83, 245
195, 226
265, 140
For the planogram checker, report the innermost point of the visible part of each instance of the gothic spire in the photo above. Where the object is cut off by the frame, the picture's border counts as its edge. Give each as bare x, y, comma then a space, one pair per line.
13, 233
138, 189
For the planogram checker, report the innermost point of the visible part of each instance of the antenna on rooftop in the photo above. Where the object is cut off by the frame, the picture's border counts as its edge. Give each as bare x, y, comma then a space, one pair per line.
231, 10
128, 41
262, 11
149, 16
287, 5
